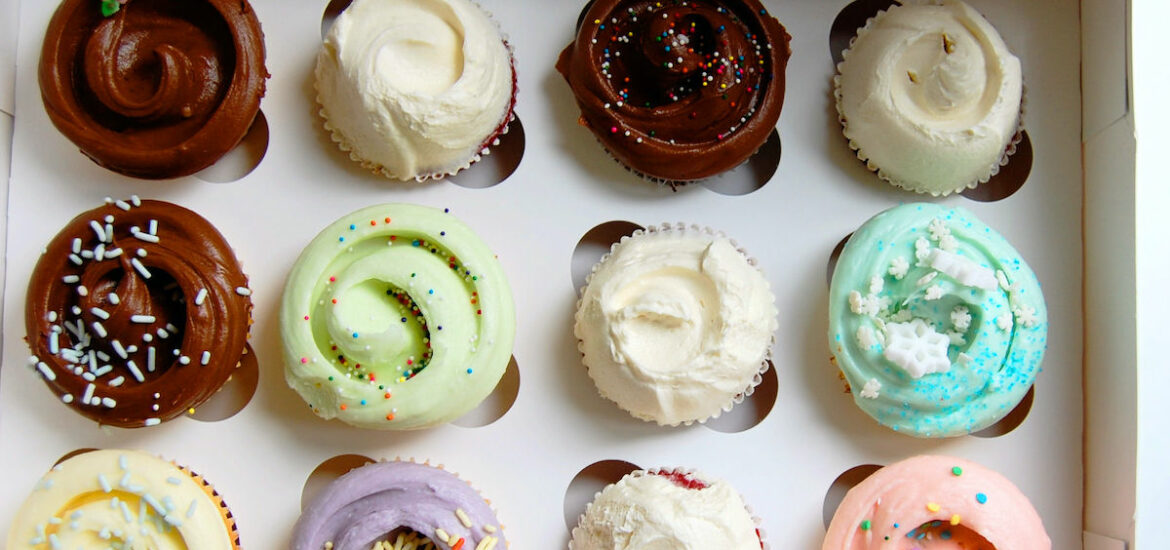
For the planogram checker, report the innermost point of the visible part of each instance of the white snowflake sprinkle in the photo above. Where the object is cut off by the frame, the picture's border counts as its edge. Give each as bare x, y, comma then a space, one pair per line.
1026, 316
898, 267
948, 243
865, 337
870, 391
934, 292
875, 284
867, 305
957, 338
961, 318
938, 229
917, 348
1004, 322
922, 251
963, 358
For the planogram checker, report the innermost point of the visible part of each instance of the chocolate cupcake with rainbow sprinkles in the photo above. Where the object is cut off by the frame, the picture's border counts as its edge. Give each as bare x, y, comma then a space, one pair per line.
396, 317
678, 91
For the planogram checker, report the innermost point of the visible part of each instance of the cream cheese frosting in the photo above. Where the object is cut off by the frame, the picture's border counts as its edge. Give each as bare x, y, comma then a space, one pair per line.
415, 88
929, 96
937, 503
396, 316
653, 511
122, 499
675, 324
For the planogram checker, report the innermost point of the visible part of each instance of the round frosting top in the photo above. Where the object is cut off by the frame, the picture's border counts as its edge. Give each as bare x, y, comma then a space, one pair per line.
126, 499
415, 88
930, 96
396, 317
937, 323
936, 502
137, 311
675, 324
153, 89
679, 511
366, 505
682, 91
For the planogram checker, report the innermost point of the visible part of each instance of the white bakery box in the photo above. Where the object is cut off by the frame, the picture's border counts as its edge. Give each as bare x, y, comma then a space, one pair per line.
1089, 219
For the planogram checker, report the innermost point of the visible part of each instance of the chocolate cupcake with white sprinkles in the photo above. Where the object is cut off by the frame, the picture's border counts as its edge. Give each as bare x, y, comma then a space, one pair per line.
137, 312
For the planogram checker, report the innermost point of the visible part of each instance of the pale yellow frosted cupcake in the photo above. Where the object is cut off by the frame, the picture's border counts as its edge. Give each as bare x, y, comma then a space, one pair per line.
930, 96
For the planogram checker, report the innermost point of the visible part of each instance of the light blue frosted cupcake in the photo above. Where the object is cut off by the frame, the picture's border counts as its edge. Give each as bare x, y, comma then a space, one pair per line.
936, 322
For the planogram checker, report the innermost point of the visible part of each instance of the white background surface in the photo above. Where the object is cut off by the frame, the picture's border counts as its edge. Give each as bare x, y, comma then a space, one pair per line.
564, 186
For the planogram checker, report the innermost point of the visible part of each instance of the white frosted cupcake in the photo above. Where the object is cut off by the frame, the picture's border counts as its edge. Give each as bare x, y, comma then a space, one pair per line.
415, 89
675, 324
680, 510
930, 97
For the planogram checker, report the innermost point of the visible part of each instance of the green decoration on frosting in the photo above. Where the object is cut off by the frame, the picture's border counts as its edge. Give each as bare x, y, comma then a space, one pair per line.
110, 7
396, 317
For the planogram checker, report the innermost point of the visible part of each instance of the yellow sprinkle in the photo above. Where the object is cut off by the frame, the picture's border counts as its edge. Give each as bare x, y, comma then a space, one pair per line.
329, 545
442, 535
596, 21
932, 506
489, 529
488, 543
955, 519
191, 410
466, 521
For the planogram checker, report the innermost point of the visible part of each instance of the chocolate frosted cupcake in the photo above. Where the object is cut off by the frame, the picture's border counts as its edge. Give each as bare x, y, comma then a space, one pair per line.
678, 91
153, 88
137, 311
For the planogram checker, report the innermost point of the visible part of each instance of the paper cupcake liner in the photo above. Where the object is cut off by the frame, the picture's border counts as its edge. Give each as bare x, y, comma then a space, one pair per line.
992, 170
673, 184
484, 149
229, 520
705, 231
686, 472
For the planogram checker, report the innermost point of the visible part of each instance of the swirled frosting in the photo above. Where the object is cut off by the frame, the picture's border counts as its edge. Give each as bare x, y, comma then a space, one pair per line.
368, 504
678, 90
929, 96
137, 311
675, 324
939, 503
124, 499
158, 89
415, 88
937, 323
680, 511
396, 317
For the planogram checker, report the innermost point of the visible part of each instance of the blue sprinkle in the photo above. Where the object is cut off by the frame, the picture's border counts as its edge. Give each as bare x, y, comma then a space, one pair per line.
341, 239
355, 335
352, 227
414, 243
363, 401
946, 535
469, 370
442, 233
404, 319
431, 291
981, 498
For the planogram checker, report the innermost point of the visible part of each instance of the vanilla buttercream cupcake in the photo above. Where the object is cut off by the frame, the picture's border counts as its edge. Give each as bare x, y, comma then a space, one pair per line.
675, 324
415, 89
680, 510
930, 96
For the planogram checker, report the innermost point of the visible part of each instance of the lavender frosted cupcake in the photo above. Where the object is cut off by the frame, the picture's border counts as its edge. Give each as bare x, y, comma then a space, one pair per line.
396, 505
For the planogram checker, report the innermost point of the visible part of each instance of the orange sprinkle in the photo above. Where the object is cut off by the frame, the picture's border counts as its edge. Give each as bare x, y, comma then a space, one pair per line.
390, 416
387, 220
335, 300
386, 395
458, 545
343, 407
372, 222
